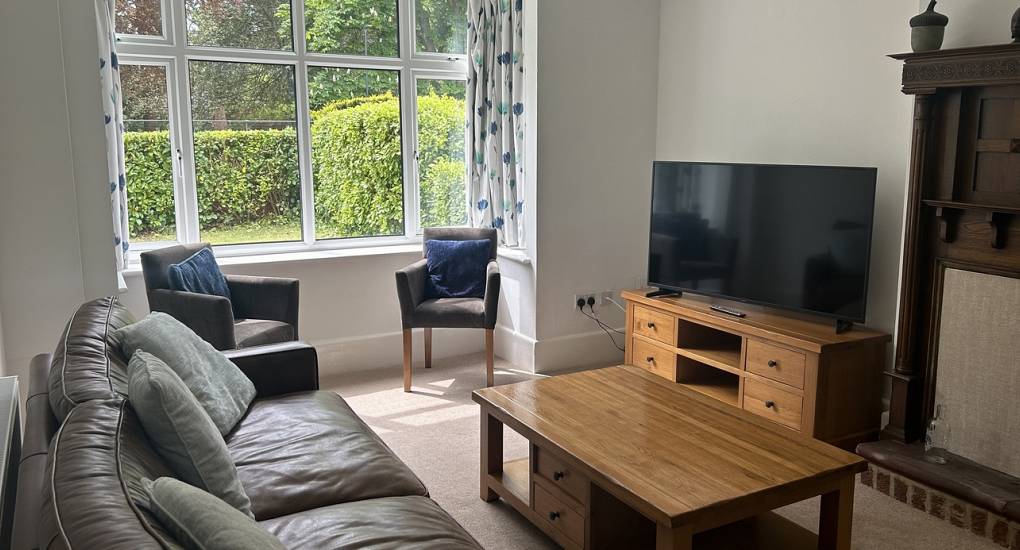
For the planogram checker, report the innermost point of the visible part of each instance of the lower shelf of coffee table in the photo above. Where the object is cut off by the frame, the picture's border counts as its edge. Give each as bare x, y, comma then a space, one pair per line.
610, 518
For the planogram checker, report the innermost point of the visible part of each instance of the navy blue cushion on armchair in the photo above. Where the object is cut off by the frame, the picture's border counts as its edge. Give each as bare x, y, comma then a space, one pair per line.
456, 269
199, 274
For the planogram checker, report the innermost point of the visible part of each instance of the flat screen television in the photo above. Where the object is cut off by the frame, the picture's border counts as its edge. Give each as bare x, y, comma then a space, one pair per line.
793, 237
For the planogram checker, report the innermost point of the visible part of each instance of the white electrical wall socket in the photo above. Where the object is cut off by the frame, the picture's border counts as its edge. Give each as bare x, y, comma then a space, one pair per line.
601, 298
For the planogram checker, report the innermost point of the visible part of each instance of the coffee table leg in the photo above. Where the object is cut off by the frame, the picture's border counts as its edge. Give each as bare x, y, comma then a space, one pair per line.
674, 538
837, 517
491, 453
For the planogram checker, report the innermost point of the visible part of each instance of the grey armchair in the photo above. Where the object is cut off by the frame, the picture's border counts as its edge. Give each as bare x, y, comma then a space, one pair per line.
417, 312
260, 311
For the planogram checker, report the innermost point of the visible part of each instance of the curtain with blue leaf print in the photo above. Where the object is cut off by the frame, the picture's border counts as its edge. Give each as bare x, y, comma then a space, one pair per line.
495, 109
113, 112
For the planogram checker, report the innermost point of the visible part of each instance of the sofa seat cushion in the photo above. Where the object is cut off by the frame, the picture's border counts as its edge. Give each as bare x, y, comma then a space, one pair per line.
86, 365
450, 313
382, 523
307, 450
260, 332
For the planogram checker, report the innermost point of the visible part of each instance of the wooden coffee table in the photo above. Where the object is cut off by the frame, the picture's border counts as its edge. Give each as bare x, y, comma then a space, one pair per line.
621, 458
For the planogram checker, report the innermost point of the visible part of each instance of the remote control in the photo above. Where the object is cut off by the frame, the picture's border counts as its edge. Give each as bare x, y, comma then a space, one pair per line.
729, 311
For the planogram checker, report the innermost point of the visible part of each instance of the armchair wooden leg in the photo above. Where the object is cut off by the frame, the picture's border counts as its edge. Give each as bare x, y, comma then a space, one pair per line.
488, 358
428, 348
407, 360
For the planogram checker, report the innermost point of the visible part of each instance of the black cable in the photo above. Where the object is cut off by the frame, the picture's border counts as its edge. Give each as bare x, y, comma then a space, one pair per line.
601, 326
599, 321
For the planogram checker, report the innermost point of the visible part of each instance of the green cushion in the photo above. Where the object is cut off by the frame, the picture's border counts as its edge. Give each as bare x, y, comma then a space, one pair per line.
181, 431
221, 388
201, 521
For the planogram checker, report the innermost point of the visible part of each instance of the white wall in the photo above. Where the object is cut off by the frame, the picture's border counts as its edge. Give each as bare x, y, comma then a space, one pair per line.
976, 22
41, 277
788, 81
597, 65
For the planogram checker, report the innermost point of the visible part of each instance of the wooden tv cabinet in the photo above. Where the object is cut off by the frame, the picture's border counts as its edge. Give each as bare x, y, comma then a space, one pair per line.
794, 371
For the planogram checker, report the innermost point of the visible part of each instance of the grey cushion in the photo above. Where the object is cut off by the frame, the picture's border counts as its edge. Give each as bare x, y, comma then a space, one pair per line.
450, 313
220, 387
260, 332
181, 431
85, 365
201, 521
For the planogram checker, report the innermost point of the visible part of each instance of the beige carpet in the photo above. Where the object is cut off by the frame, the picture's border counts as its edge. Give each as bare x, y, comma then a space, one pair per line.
435, 431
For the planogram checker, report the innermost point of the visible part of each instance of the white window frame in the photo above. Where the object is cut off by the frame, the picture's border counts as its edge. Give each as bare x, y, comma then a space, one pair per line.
172, 51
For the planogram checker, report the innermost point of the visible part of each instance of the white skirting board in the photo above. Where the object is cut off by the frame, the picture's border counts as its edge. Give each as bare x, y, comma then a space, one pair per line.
574, 351
343, 355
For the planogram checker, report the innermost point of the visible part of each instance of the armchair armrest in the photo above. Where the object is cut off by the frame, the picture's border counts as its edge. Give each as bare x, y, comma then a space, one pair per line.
411, 289
492, 283
272, 298
278, 369
209, 316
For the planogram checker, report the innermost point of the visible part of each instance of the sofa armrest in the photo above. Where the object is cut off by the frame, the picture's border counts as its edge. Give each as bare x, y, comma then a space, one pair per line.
411, 289
278, 369
492, 283
273, 298
209, 316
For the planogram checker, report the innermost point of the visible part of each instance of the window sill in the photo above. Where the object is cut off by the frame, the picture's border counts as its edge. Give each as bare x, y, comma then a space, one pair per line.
518, 255
135, 268
512, 254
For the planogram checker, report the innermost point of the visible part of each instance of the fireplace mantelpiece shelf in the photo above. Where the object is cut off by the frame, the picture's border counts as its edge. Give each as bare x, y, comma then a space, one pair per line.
998, 219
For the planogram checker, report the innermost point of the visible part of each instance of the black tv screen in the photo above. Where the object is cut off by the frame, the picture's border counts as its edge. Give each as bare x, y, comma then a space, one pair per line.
795, 237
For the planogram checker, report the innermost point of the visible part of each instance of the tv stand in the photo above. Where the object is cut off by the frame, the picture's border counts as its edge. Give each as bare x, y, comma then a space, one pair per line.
796, 372
660, 292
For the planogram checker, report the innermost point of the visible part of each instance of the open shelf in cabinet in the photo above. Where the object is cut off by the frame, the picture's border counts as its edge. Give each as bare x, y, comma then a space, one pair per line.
717, 383
709, 346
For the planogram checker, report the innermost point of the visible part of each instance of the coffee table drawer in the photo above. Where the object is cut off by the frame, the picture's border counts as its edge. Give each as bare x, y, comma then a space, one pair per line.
773, 403
655, 325
656, 359
776, 363
556, 472
558, 515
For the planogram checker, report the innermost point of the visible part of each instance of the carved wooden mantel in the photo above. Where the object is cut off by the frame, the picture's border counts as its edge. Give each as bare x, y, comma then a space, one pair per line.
963, 201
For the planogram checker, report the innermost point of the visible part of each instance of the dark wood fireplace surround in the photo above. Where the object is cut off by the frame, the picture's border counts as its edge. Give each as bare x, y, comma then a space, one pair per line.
963, 206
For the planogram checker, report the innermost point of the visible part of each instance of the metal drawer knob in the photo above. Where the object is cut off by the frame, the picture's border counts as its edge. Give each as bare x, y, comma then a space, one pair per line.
558, 476
553, 516
770, 404
649, 359
651, 325
773, 363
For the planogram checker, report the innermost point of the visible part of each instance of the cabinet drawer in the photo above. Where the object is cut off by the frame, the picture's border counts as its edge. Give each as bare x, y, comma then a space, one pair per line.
656, 359
776, 363
558, 474
655, 325
558, 515
773, 403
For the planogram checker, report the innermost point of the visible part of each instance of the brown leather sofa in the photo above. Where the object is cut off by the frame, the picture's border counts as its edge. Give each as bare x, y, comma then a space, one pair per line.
317, 475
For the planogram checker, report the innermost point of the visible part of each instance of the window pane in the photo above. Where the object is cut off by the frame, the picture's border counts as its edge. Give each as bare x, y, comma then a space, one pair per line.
442, 171
139, 17
352, 27
356, 156
441, 26
147, 152
251, 24
246, 159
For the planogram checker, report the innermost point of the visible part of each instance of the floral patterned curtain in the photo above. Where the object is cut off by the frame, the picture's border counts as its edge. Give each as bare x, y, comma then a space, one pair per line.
495, 109
109, 79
